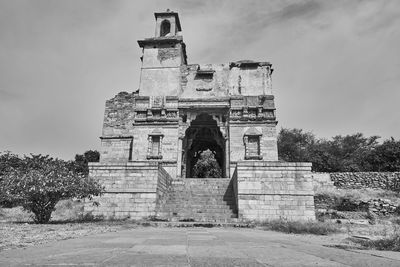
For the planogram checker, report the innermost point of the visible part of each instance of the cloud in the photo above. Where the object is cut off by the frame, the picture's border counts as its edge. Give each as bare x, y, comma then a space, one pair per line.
8, 96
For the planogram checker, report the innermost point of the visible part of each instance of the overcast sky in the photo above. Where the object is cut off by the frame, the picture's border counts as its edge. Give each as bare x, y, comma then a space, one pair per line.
337, 63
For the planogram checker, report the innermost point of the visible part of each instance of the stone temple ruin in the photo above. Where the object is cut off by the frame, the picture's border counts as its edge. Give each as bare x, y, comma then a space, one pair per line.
152, 140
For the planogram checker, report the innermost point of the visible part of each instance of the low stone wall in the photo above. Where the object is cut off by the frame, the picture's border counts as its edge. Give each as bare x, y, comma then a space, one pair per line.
132, 189
383, 180
322, 180
274, 190
382, 207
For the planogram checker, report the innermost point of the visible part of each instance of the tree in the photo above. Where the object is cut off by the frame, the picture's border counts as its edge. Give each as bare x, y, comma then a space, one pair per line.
40, 182
8, 161
342, 153
80, 165
386, 157
207, 166
294, 144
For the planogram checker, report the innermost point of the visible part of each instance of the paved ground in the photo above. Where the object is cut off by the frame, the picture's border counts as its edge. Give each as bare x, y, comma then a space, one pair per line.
196, 247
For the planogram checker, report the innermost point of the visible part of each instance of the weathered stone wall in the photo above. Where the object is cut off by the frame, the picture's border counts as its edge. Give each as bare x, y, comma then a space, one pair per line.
383, 180
160, 81
169, 142
132, 189
382, 207
118, 115
116, 149
224, 80
273, 190
255, 80
322, 180
197, 86
160, 73
268, 145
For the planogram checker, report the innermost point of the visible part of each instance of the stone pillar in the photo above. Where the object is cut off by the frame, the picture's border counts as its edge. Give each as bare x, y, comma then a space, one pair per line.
179, 158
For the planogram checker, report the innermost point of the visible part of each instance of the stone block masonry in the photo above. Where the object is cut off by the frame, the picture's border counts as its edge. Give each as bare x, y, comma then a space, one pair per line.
274, 190
153, 137
382, 180
132, 190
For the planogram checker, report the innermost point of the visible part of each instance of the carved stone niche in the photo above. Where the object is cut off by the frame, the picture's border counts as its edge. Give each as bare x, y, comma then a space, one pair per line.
154, 149
252, 139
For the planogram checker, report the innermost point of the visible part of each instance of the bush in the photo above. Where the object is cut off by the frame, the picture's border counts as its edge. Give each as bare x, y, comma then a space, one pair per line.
40, 182
207, 166
300, 227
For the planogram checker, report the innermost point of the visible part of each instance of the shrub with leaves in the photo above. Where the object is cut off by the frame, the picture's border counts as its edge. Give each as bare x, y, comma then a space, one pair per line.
207, 166
41, 181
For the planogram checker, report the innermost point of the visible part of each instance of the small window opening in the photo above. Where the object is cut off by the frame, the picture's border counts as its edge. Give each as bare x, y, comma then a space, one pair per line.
204, 76
154, 150
252, 141
165, 28
253, 146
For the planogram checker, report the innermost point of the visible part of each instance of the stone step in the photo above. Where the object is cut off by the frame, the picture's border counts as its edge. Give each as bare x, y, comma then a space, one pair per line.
216, 189
200, 200
195, 216
198, 210
196, 198
188, 189
229, 223
200, 204
206, 180
188, 194
202, 196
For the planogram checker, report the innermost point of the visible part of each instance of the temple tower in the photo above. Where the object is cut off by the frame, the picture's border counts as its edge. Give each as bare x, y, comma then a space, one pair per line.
153, 140
163, 55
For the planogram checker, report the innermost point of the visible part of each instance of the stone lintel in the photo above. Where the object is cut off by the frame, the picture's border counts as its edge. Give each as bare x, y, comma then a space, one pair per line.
273, 164
210, 99
248, 63
130, 190
130, 164
116, 137
272, 122
156, 122
160, 41
267, 97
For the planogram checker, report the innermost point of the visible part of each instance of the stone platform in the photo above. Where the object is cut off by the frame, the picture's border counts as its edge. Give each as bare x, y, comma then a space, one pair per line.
259, 190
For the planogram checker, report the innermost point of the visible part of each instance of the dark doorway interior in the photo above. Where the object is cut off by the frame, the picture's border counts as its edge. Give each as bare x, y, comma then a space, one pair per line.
202, 135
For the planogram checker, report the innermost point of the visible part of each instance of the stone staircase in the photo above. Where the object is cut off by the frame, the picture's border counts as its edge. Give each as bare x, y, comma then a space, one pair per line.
200, 200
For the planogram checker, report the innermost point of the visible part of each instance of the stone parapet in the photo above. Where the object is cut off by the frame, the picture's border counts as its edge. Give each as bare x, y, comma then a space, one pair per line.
273, 190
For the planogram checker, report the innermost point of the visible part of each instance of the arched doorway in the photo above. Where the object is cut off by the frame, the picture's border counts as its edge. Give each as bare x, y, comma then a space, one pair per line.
202, 135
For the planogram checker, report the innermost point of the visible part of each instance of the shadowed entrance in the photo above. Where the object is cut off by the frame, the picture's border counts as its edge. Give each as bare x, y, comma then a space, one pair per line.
203, 135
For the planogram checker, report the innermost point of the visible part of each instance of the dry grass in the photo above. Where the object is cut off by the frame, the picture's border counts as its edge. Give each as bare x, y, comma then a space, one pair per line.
66, 211
68, 221
301, 227
360, 194
18, 235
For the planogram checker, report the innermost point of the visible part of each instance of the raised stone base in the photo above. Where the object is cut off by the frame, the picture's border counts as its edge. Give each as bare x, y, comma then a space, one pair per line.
274, 190
133, 190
